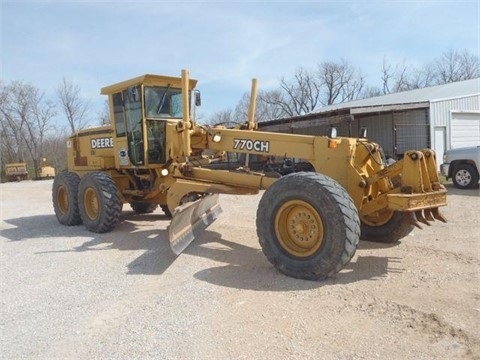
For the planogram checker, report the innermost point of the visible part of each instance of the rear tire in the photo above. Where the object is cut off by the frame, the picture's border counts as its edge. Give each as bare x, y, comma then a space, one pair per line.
394, 227
307, 225
65, 198
99, 202
142, 207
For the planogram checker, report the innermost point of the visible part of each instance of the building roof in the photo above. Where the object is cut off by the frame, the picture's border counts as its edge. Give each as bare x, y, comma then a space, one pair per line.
418, 96
412, 99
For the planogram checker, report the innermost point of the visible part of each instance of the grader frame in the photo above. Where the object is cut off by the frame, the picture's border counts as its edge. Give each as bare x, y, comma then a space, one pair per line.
308, 224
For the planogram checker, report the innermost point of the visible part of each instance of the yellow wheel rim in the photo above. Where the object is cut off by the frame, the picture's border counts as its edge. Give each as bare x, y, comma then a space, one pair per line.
62, 199
90, 199
379, 218
299, 228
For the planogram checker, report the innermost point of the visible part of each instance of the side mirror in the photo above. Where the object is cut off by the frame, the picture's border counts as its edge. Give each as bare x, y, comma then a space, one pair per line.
198, 98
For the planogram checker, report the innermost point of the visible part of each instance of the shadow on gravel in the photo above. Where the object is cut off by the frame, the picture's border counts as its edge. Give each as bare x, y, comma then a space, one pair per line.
452, 190
126, 236
247, 268
38, 226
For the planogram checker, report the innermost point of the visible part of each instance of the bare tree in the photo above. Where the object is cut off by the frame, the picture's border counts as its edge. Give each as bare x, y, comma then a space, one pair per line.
55, 149
455, 66
452, 66
276, 103
25, 117
73, 106
395, 79
263, 111
301, 94
14, 108
104, 114
266, 108
421, 78
223, 117
340, 82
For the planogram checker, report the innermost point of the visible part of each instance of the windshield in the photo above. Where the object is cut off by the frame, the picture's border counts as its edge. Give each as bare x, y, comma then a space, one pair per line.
163, 102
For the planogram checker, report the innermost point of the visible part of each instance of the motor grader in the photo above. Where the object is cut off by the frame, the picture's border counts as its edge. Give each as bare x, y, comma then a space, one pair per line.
308, 223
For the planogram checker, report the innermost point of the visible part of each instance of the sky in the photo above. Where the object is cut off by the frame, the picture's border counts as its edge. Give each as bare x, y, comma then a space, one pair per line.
223, 44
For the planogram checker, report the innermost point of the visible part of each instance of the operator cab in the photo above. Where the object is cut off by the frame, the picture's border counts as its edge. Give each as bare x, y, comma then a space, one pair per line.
140, 109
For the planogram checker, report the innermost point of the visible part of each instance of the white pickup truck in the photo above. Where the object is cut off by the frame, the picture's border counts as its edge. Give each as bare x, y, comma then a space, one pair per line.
462, 165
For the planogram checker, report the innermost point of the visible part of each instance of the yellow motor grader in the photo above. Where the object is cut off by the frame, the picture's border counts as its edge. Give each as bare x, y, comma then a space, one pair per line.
308, 222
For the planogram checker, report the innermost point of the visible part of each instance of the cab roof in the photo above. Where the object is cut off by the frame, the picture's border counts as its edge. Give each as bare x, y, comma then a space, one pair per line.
147, 79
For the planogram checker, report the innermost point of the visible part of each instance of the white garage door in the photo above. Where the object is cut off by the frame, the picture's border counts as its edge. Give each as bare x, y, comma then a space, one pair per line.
465, 130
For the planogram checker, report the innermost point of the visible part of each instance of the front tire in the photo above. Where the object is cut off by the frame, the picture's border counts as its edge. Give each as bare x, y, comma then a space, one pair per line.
387, 227
142, 207
99, 202
465, 176
166, 211
307, 225
65, 199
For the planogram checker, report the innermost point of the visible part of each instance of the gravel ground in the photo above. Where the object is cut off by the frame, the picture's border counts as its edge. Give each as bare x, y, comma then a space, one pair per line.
67, 293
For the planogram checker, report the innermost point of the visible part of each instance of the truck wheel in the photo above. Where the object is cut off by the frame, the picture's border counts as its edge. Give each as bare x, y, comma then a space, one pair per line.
142, 207
65, 200
387, 227
465, 176
307, 225
99, 202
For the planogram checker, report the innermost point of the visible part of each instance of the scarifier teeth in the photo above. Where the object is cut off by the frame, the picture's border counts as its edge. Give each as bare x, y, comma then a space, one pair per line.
428, 214
413, 220
419, 216
437, 215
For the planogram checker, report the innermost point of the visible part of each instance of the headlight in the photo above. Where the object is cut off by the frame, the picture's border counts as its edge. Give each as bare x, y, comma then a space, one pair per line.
216, 137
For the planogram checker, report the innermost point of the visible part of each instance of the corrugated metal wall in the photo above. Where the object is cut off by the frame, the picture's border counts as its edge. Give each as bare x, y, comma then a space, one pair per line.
440, 110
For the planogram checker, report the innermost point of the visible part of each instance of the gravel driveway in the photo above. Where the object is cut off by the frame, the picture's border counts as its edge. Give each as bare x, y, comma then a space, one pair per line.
67, 293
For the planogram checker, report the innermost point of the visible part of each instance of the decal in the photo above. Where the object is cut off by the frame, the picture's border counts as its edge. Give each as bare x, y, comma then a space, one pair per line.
123, 157
102, 143
251, 145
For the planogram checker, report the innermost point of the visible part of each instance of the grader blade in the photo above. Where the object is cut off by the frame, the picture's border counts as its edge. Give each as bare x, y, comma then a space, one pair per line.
190, 220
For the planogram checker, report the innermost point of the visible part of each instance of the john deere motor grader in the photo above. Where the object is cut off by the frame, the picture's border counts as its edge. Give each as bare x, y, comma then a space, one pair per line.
308, 223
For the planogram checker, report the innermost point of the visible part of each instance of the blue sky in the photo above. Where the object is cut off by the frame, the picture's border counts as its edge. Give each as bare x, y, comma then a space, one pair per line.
223, 44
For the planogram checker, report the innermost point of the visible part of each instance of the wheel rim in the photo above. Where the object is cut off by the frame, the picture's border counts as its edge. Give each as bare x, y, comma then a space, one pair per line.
90, 199
299, 228
379, 218
62, 200
463, 177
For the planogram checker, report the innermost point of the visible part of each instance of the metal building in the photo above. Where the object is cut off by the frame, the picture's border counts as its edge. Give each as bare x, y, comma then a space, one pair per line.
438, 117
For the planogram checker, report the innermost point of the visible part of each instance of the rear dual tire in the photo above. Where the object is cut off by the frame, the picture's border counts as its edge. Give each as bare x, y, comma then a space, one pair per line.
65, 198
99, 202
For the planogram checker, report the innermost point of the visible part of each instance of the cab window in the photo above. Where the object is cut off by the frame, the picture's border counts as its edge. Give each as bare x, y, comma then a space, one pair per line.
161, 102
118, 114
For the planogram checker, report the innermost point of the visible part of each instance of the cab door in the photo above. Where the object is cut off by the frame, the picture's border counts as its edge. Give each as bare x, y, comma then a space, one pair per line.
132, 100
